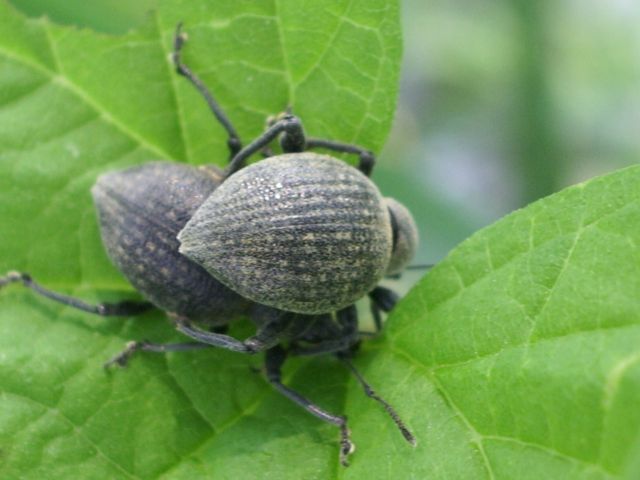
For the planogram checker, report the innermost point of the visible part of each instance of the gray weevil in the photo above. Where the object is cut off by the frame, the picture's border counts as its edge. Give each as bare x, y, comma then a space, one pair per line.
300, 232
142, 209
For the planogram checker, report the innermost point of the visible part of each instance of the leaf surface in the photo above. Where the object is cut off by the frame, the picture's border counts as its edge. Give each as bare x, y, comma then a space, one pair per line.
517, 357
73, 104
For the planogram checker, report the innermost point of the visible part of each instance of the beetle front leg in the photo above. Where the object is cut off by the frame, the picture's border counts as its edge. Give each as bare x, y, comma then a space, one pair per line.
125, 308
274, 359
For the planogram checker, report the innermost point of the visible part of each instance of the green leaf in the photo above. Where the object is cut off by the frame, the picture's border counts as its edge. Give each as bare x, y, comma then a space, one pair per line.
76, 103
73, 104
517, 357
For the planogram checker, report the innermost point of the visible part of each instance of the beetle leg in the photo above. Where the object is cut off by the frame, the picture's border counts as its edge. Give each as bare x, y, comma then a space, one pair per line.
271, 334
132, 347
376, 313
369, 392
292, 141
343, 340
233, 142
266, 337
321, 348
274, 359
367, 158
125, 308
382, 300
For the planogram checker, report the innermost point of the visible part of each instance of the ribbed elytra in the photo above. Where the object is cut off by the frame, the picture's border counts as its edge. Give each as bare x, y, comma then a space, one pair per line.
141, 210
301, 232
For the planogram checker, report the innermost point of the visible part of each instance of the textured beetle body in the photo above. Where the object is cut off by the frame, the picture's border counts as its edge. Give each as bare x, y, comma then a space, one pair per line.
141, 210
301, 232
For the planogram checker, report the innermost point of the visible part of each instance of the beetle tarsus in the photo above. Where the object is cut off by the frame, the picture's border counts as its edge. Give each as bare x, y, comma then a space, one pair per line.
122, 358
347, 447
13, 277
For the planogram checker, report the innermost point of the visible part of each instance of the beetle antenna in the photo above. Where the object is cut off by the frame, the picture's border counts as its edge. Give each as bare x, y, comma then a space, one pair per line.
369, 392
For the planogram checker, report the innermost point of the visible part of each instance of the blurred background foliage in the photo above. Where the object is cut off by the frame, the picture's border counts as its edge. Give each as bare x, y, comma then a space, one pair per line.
502, 102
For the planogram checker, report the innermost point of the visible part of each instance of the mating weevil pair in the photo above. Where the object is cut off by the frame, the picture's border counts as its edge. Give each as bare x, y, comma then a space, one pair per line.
291, 241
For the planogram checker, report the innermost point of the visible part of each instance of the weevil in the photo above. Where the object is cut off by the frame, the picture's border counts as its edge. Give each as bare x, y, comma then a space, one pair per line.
143, 211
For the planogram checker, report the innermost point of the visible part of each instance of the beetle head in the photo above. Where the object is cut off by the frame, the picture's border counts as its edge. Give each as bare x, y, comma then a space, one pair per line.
404, 234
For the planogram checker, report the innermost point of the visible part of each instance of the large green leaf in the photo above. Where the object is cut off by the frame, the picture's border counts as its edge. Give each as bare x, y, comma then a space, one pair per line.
517, 357
74, 103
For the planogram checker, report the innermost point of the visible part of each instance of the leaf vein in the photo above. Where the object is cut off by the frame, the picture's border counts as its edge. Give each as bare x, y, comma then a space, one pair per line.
87, 100
78, 430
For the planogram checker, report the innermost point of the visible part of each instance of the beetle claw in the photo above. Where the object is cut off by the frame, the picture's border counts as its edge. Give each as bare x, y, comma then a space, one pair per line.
347, 447
122, 358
